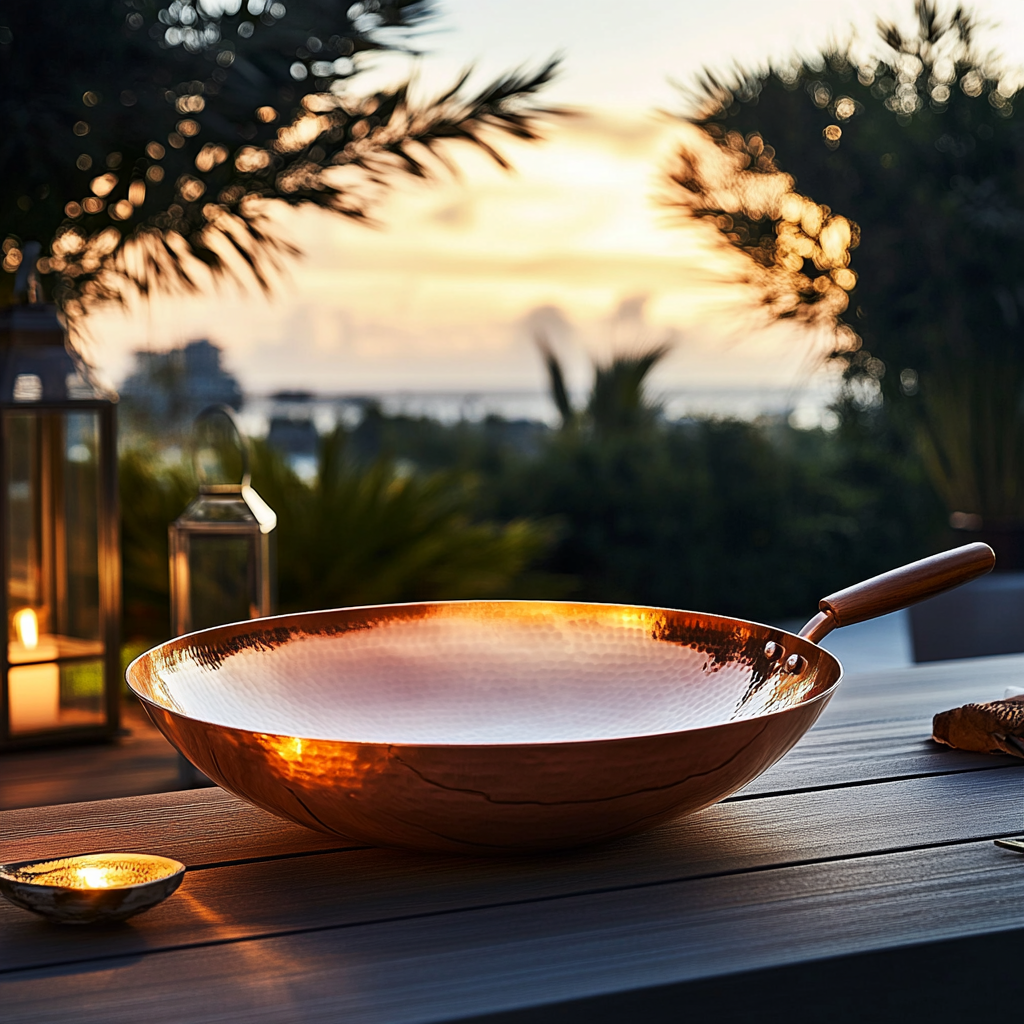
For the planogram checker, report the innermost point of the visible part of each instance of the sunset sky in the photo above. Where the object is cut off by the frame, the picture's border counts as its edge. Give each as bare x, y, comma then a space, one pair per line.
448, 292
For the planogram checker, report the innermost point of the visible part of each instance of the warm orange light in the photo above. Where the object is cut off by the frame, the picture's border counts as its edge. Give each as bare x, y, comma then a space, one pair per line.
33, 690
26, 626
95, 871
104, 184
304, 760
289, 747
96, 878
190, 104
210, 156
249, 159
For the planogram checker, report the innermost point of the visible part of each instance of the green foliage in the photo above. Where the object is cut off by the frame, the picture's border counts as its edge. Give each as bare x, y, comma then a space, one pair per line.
154, 492
754, 519
916, 156
430, 445
359, 534
618, 403
371, 535
757, 520
556, 382
143, 139
81, 683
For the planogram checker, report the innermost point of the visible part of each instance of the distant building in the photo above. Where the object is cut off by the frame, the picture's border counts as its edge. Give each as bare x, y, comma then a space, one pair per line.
166, 390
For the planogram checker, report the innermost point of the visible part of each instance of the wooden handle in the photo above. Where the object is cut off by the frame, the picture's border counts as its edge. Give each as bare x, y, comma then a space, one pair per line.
899, 588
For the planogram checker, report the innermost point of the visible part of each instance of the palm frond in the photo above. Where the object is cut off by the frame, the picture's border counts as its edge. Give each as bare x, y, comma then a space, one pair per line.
179, 122
556, 380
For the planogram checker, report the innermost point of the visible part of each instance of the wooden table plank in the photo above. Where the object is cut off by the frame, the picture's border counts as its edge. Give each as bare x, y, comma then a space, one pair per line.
139, 762
867, 752
289, 931
933, 981
921, 691
878, 726
429, 969
363, 886
197, 827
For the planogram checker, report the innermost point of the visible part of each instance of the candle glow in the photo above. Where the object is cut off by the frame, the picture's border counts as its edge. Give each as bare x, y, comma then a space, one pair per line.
96, 871
33, 689
26, 626
91, 887
95, 877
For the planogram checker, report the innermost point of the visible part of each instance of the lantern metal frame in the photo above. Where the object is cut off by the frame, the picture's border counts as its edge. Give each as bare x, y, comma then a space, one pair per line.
33, 342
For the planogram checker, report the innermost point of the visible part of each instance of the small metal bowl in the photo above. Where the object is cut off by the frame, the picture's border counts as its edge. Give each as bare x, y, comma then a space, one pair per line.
93, 888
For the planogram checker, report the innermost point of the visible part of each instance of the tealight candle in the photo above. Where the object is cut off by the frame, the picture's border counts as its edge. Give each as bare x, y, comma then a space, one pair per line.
91, 888
33, 690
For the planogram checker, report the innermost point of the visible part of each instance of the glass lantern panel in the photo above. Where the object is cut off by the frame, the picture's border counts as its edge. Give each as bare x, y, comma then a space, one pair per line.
24, 536
222, 579
81, 693
79, 615
54, 695
52, 536
33, 694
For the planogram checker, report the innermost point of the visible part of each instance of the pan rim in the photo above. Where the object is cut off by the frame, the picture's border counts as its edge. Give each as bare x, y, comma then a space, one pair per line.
269, 622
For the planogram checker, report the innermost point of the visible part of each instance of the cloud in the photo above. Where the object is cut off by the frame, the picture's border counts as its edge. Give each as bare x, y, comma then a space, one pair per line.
450, 290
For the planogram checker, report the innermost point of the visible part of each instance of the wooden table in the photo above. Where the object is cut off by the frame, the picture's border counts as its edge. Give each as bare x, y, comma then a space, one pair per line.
856, 880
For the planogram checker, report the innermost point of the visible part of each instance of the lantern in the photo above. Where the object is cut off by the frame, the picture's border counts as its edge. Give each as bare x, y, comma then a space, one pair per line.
60, 675
222, 545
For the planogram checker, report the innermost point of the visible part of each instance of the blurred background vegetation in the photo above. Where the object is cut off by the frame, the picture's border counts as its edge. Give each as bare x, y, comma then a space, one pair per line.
883, 199
757, 519
878, 198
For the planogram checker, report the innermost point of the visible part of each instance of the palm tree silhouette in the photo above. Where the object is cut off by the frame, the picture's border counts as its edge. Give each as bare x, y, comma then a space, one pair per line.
618, 402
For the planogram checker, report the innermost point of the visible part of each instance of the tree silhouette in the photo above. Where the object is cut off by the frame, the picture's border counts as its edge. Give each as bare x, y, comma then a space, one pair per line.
143, 138
885, 198
618, 402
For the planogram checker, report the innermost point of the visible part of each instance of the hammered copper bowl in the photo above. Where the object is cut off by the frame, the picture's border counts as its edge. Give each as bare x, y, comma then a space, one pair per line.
485, 726
504, 726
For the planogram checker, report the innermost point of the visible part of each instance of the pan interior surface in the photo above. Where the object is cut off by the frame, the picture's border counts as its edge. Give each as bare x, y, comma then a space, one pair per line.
469, 673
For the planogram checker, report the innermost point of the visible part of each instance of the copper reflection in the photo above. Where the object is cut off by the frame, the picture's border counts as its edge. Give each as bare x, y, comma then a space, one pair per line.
485, 727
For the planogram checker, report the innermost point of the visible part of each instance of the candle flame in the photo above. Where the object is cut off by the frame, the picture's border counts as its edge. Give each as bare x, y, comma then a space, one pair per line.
26, 625
96, 878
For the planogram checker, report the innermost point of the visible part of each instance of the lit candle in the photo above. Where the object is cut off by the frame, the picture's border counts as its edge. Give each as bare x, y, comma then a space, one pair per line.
33, 690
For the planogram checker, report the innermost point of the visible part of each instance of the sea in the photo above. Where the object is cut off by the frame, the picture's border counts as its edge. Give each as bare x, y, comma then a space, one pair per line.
806, 407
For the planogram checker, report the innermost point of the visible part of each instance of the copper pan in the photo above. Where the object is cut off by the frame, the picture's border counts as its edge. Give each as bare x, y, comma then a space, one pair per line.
504, 726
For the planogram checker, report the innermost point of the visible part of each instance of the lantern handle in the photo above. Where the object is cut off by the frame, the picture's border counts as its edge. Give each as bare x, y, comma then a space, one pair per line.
243, 447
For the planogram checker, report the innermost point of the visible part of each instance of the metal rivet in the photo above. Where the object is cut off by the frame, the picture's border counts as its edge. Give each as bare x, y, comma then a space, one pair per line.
773, 651
794, 663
